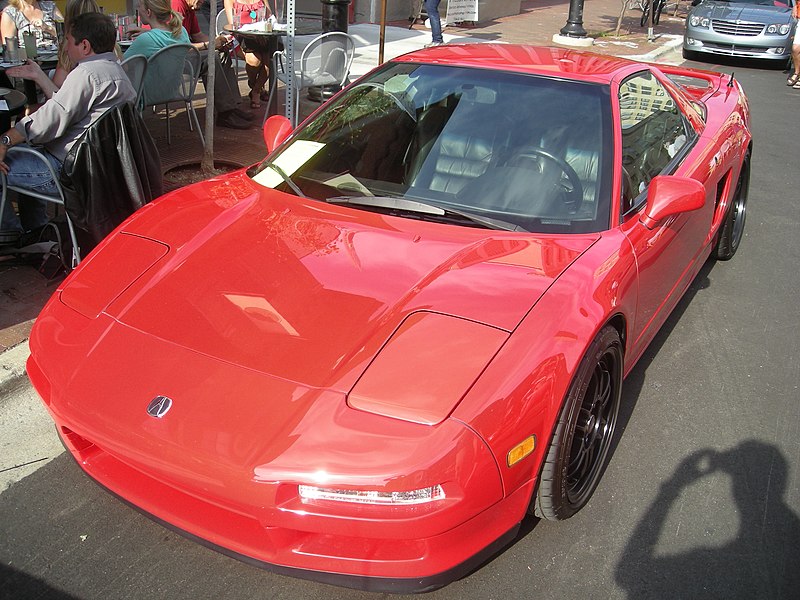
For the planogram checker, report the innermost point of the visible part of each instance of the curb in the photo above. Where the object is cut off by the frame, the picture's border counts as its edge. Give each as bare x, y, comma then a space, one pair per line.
674, 41
12, 367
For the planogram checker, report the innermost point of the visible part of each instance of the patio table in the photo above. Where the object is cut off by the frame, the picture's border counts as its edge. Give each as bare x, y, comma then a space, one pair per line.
266, 43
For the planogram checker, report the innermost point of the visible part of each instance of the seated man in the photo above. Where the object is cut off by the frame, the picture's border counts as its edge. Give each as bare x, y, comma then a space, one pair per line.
96, 84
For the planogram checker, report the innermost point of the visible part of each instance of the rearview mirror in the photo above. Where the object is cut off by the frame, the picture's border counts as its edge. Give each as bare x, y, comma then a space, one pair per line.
276, 129
668, 195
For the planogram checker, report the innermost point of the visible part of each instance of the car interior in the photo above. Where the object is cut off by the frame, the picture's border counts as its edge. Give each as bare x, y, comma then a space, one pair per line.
500, 145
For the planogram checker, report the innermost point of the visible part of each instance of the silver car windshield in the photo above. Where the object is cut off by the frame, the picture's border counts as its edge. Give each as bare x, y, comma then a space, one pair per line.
474, 147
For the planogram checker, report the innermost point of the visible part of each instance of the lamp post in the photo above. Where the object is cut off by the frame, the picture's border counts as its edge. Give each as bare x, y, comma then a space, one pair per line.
574, 26
573, 33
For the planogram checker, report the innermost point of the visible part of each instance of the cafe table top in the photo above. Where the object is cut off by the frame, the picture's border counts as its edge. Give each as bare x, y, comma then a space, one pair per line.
14, 100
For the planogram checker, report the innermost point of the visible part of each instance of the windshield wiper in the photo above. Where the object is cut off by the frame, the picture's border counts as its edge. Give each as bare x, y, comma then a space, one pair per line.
423, 208
286, 178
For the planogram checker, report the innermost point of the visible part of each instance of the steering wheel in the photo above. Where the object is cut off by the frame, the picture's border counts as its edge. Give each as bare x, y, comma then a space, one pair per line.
571, 185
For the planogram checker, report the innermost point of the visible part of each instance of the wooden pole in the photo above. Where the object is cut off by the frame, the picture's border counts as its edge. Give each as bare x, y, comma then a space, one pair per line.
382, 42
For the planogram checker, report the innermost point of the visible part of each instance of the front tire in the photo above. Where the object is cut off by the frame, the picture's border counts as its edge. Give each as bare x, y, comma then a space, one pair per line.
732, 230
584, 432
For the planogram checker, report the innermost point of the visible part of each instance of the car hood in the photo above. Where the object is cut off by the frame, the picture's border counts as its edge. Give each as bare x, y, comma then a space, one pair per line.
309, 291
733, 11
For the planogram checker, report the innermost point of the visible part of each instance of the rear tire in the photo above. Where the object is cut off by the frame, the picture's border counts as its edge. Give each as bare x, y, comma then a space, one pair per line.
732, 230
583, 433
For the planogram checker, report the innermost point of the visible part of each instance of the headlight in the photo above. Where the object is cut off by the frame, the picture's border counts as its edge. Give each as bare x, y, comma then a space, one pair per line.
109, 271
704, 22
409, 380
421, 496
778, 29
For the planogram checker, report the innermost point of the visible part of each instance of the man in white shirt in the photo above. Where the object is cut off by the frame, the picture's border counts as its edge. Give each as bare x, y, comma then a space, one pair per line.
96, 84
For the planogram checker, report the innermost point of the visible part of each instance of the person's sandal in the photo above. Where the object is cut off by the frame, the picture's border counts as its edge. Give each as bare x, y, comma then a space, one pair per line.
255, 100
793, 79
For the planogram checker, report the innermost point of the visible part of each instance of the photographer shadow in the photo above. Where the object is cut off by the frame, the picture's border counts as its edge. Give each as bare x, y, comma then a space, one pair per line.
760, 561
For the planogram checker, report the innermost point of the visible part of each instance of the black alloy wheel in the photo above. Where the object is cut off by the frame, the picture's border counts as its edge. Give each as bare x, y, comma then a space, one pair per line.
732, 229
584, 432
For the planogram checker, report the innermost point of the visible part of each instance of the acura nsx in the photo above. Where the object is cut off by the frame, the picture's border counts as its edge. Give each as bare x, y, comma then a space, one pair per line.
368, 358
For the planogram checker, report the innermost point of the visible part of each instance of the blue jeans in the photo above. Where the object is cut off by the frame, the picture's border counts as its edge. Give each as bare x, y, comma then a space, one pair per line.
432, 8
29, 172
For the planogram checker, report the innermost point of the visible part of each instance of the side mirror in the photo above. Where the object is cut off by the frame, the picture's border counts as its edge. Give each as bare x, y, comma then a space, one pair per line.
668, 195
276, 129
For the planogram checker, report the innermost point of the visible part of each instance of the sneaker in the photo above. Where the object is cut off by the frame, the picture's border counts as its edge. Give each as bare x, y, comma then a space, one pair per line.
432, 44
231, 120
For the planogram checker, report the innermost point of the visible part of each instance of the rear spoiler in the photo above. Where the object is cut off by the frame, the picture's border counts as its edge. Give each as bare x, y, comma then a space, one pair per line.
697, 83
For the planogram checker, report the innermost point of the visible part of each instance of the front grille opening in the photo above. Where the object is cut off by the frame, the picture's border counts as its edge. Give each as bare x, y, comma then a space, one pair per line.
734, 28
77, 443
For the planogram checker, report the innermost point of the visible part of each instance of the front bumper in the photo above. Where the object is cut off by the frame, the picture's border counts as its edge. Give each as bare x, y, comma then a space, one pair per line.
254, 515
766, 47
397, 566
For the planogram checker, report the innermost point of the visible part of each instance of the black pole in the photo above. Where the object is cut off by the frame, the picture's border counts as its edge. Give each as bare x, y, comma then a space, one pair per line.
574, 26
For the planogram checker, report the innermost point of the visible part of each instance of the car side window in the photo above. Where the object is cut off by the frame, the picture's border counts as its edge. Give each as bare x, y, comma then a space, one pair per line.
654, 132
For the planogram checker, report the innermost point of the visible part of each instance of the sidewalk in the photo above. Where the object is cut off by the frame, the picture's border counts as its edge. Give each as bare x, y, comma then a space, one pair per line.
23, 291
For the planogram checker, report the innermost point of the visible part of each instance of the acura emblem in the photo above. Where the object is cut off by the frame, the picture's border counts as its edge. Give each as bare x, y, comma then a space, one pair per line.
159, 406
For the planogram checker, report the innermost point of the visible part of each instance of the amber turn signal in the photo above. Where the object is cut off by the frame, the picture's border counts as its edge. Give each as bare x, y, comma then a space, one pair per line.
521, 450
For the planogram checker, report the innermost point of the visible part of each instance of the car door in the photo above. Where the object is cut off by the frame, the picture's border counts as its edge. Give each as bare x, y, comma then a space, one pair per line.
656, 138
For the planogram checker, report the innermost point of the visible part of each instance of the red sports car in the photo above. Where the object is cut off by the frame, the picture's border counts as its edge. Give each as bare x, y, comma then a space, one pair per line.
368, 358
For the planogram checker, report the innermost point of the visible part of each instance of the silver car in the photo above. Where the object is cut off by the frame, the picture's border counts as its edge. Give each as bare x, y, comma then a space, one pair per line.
743, 28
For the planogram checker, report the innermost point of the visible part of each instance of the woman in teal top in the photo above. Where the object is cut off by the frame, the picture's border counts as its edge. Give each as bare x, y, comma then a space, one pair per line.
165, 28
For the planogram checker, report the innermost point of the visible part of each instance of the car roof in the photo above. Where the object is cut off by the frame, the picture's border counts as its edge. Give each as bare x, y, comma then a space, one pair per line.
540, 60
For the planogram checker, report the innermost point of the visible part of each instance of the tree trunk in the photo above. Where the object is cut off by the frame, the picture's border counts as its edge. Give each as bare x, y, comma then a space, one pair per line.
621, 16
207, 164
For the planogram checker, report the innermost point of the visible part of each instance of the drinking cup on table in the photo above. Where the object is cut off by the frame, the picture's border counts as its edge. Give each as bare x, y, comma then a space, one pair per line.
123, 22
30, 44
59, 31
12, 49
261, 13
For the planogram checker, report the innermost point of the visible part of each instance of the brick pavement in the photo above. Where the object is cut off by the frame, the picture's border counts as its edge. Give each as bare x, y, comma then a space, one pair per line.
23, 291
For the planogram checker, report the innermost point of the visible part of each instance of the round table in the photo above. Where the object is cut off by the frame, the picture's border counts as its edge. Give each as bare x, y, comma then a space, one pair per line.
15, 103
266, 43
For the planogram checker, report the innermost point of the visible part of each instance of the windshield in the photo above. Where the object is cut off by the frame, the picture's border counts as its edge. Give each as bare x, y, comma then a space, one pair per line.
474, 147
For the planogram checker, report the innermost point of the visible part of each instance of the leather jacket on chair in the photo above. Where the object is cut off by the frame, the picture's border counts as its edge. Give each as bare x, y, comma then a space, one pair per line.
111, 171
